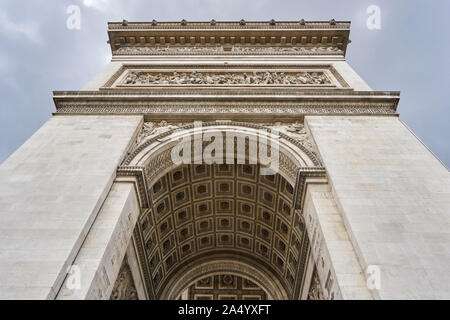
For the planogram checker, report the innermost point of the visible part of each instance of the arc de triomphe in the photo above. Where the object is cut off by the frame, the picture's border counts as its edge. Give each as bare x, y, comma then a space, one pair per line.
93, 206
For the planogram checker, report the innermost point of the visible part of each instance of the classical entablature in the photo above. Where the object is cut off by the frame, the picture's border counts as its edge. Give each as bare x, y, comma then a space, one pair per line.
227, 103
229, 38
181, 84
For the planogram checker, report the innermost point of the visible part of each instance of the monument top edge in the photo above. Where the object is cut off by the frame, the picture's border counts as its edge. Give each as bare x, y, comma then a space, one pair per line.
262, 34
326, 93
242, 24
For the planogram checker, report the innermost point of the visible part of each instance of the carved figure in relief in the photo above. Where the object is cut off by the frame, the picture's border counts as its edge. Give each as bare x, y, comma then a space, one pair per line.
236, 49
124, 288
315, 290
131, 78
199, 78
150, 129
296, 131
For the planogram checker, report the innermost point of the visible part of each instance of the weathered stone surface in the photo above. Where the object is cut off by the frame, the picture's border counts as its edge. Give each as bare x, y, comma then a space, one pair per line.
394, 195
338, 272
104, 248
354, 188
51, 190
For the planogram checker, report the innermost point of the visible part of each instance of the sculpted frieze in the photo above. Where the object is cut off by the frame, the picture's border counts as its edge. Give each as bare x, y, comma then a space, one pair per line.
142, 78
296, 50
164, 50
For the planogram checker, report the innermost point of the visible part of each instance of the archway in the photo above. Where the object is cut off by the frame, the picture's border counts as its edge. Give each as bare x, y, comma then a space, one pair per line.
213, 219
226, 263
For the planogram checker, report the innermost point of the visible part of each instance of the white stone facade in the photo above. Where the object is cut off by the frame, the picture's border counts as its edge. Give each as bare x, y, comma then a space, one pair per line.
393, 194
355, 188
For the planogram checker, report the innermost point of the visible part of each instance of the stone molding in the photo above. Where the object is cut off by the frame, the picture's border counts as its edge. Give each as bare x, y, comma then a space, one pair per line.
142, 257
239, 110
229, 102
303, 174
322, 94
141, 182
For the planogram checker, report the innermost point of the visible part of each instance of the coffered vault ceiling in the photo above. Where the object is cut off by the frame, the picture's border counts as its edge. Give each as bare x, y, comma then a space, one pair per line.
202, 210
224, 287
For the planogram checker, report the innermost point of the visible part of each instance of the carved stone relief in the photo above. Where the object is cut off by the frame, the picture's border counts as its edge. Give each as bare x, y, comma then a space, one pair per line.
124, 288
294, 130
297, 50
317, 50
152, 129
140, 78
161, 50
315, 291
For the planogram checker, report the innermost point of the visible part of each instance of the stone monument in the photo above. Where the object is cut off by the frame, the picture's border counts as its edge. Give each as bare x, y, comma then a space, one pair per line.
93, 205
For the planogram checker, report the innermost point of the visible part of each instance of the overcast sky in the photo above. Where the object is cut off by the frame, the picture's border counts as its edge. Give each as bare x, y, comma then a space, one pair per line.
38, 53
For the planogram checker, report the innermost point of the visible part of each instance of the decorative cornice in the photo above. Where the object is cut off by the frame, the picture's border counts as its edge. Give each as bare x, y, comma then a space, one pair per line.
214, 25
230, 102
244, 111
245, 33
300, 186
139, 174
278, 92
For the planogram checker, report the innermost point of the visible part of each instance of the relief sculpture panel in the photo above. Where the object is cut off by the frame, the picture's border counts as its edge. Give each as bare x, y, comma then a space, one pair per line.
217, 50
145, 78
